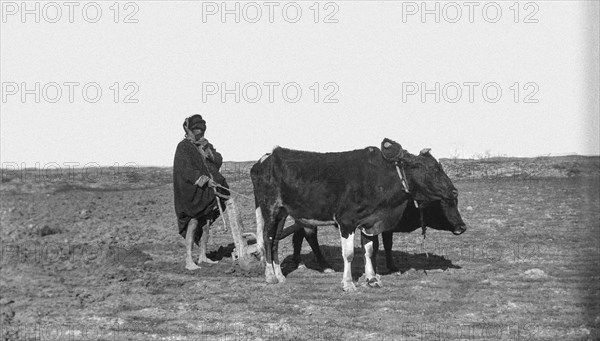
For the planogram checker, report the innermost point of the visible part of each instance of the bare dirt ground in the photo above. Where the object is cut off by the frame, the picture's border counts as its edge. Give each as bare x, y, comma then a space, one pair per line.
103, 261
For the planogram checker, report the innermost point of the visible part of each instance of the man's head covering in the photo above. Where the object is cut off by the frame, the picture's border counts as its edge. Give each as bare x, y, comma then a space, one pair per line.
194, 122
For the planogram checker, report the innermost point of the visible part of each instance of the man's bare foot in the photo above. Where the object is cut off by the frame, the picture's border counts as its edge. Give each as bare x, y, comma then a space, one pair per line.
191, 265
206, 260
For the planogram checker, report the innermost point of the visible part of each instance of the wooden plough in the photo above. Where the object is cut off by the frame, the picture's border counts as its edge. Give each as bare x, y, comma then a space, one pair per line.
243, 253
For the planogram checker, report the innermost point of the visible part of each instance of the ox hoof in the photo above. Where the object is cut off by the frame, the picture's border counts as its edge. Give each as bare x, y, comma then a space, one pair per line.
207, 261
272, 280
326, 266
281, 279
374, 282
328, 270
301, 266
349, 287
192, 266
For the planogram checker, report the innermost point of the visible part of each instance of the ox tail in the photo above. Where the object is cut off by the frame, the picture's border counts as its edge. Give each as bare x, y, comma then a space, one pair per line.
260, 229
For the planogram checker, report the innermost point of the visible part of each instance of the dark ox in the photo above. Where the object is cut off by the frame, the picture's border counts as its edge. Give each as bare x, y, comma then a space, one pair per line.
356, 189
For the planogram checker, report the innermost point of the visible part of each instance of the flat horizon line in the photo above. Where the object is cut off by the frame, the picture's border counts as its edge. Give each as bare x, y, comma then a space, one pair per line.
248, 161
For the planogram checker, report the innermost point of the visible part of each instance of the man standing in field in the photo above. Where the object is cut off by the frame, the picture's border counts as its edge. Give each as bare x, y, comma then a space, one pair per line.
195, 178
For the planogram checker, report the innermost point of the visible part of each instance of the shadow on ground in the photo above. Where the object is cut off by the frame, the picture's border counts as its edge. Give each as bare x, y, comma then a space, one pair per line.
404, 262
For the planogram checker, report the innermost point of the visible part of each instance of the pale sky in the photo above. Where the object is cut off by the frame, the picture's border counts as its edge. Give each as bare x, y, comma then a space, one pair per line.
374, 59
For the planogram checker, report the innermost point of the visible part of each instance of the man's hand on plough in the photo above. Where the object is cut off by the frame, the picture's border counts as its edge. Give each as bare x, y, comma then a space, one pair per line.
212, 183
205, 180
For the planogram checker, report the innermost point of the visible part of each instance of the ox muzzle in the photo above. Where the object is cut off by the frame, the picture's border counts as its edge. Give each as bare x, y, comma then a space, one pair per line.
459, 230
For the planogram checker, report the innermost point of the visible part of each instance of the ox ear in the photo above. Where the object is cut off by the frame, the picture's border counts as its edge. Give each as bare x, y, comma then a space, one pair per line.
425, 152
392, 150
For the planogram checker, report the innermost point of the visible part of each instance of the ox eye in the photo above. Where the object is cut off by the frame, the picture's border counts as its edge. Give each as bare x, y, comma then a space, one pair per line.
455, 193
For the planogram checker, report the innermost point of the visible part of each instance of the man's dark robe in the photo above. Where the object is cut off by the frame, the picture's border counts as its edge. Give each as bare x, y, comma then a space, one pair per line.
192, 201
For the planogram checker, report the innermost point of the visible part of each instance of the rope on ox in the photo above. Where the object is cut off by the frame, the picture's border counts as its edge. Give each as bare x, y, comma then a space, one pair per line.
232, 191
404, 183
